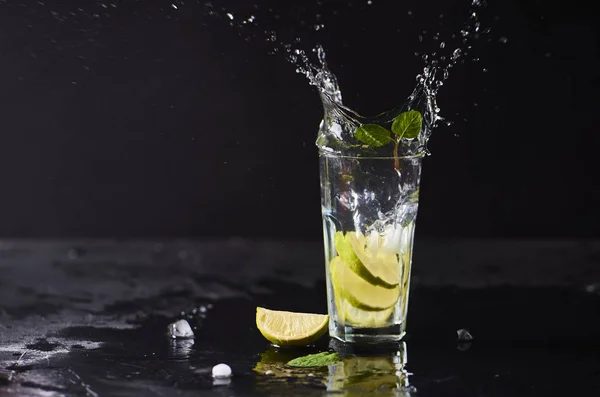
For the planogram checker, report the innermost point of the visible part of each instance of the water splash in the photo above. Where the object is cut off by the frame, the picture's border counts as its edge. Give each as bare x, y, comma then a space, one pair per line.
336, 130
339, 122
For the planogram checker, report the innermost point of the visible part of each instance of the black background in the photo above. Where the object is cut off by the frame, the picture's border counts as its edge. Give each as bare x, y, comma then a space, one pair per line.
139, 119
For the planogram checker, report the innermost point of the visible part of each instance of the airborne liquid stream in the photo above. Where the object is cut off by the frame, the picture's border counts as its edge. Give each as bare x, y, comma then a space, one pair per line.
336, 131
339, 123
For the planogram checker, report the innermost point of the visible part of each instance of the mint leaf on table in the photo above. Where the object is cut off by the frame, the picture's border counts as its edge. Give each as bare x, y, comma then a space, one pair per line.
315, 360
373, 135
407, 124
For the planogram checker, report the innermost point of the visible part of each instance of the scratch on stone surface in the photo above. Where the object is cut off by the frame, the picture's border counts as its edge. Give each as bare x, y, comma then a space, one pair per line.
20, 358
88, 389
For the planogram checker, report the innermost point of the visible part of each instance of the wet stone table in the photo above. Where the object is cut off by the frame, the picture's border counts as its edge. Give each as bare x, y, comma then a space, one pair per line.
89, 318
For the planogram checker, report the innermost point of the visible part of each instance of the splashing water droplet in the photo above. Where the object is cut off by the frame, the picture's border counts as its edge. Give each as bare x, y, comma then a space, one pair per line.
339, 122
503, 40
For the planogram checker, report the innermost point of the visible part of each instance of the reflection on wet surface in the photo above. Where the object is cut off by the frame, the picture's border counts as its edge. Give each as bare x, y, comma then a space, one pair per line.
116, 341
357, 373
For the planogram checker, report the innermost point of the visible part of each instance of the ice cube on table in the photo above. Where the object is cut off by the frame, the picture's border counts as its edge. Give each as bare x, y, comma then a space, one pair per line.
221, 371
464, 335
180, 329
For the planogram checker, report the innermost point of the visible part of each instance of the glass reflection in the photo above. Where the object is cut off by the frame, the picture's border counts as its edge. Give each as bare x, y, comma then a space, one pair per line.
361, 371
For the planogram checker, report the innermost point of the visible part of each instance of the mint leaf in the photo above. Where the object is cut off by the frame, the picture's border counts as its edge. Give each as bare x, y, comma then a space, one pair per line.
373, 135
407, 124
315, 360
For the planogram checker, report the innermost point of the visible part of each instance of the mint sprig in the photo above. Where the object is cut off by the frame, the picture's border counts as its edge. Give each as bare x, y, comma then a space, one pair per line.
406, 125
373, 135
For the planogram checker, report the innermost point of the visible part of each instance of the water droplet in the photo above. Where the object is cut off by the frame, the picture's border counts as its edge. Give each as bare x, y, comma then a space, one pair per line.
321, 55
410, 12
503, 40
172, 5
442, 44
420, 38
369, 2
229, 15
484, 70
457, 53
476, 3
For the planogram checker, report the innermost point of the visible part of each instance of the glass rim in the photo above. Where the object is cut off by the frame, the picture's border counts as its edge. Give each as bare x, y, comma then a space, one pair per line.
342, 156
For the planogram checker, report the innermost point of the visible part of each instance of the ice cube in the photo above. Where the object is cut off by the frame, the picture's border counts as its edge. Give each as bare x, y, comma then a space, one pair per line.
221, 371
180, 329
464, 335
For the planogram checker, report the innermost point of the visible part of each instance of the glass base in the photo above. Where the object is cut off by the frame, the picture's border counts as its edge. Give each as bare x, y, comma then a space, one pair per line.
349, 334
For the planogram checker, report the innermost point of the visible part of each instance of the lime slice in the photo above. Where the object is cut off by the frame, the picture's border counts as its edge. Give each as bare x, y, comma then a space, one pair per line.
381, 266
359, 292
365, 318
290, 329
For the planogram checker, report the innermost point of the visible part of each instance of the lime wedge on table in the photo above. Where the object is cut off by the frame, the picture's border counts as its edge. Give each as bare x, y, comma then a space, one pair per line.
376, 268
357, 291
290, 329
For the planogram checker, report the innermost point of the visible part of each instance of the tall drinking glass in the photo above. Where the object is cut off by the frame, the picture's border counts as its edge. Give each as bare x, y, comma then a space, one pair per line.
369, 209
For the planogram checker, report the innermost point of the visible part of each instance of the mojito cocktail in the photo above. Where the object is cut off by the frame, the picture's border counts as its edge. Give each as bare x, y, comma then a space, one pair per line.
369, 208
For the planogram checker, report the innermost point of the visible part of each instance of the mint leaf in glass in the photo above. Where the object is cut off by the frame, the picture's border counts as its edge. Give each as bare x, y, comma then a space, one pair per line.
407, 124
373, 135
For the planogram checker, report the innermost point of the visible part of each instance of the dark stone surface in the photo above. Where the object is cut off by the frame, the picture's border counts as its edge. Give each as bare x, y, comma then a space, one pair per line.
88, 318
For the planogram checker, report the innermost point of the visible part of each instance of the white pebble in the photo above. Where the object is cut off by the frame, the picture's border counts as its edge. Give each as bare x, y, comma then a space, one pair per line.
221, 371
180, 329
